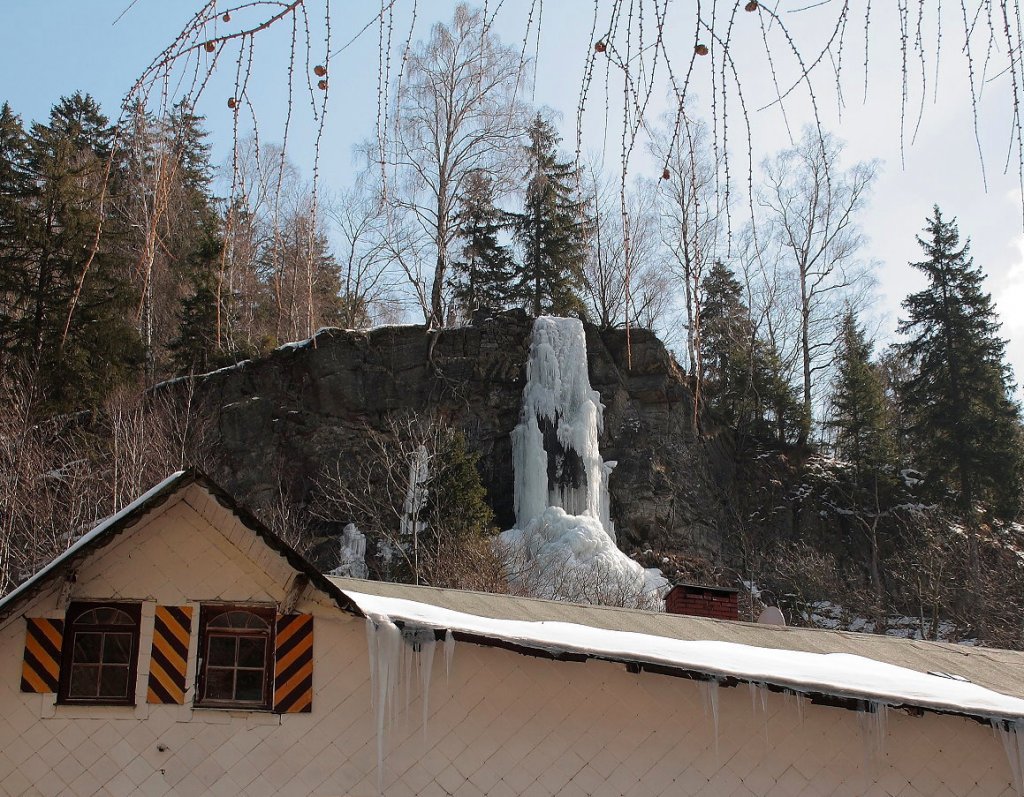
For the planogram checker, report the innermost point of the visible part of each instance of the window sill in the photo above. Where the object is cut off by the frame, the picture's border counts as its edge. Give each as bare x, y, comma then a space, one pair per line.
222, 714
92, 711
94, 703
232, 709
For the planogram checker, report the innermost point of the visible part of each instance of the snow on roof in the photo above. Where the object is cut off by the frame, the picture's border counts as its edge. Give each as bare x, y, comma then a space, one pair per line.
843, 675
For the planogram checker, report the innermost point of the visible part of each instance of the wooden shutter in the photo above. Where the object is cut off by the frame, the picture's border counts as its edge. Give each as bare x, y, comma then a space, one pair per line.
293, 664
40, 671
172, 627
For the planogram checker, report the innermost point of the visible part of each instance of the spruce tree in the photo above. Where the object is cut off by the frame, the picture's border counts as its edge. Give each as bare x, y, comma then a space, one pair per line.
194, 248
859, 411
78, 303
15, 266
959, 394
552, 229
742, 374
724, 326
485, 274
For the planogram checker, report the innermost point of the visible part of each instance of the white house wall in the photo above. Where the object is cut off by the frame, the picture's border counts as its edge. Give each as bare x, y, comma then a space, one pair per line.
501, 724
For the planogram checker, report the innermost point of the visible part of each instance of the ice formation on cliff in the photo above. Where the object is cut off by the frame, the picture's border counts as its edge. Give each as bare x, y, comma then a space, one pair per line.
564, 533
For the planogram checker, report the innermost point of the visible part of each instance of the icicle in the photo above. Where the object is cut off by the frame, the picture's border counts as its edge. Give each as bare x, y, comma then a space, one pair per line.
400, 660
799, 707
426, 662
352, 554
759, 705
709, 698
1013, 745
764, 711
714, 713
371, 646
872, 722
558, 393
449, 655
386, 639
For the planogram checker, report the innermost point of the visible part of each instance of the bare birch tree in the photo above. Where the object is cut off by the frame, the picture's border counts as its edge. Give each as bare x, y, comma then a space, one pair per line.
457, 111
367, 282
610, 262
811, 206
693, 209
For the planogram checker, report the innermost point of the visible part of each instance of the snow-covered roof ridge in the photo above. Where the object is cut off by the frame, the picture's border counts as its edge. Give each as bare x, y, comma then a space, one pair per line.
834, 672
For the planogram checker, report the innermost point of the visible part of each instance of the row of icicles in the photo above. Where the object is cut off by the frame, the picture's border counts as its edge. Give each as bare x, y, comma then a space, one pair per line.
401, 670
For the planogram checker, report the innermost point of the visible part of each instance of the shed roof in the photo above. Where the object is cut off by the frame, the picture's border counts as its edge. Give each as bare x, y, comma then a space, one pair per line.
1001, 671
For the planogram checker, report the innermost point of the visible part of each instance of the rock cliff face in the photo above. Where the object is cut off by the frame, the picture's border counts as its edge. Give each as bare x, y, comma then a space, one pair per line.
282, 420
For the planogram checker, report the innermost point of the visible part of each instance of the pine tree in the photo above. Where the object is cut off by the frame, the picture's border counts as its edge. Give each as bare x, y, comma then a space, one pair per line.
193, 245
742, 379
15, 267
75, 302
195, 350
484, 277
724, 325
959, 395
552, 229
859, 418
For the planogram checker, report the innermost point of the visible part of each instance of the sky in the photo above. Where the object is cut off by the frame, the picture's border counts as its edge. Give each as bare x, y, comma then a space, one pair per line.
50, 48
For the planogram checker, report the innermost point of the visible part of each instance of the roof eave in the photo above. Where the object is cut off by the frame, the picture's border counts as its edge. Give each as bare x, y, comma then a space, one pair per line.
107, 530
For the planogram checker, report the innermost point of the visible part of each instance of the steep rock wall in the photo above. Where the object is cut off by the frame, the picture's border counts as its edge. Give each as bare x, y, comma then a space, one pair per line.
281, 421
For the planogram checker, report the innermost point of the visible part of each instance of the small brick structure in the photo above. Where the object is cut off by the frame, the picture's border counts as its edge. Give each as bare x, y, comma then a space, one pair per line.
719, 603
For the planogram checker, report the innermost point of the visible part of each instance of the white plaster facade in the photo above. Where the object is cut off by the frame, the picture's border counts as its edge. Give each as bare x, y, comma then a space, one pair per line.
499, 724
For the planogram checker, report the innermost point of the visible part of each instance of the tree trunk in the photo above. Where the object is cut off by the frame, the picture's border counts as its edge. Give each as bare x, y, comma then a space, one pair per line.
805, 352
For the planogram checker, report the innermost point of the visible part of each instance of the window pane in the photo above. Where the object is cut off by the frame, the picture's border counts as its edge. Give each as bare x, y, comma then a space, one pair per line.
239, 619
117, 648
84, 681
251, 651
87, 648
219, 684
114, 682
105, 615
221, 651
250, 685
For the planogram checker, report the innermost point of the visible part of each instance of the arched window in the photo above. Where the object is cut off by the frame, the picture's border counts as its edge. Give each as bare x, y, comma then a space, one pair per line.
236, 645
100, 653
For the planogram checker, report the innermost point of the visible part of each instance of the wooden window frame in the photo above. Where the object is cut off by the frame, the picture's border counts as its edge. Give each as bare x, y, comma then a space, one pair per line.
209, 612
134, 610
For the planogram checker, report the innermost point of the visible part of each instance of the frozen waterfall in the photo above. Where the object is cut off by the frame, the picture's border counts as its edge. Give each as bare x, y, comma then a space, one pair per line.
352, 554
564, 535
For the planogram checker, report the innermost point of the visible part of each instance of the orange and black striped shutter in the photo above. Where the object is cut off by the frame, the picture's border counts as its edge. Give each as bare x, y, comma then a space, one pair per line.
172, 627
293, 664
40, 671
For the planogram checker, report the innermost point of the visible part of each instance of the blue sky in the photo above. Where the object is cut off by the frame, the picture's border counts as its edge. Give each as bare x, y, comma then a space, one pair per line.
54, 47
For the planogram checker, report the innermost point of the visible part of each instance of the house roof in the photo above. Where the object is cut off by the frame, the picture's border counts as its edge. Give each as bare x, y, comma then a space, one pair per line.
829, 666
993, 670
141, 508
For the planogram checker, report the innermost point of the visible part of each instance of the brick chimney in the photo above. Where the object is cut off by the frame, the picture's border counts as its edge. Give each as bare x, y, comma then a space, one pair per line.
719, 603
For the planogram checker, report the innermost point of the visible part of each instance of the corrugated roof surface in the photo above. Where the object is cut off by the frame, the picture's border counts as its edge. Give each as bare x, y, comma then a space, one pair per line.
999, 670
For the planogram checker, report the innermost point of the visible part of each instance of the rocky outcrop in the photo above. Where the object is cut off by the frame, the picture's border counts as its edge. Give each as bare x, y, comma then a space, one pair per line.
282, 420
